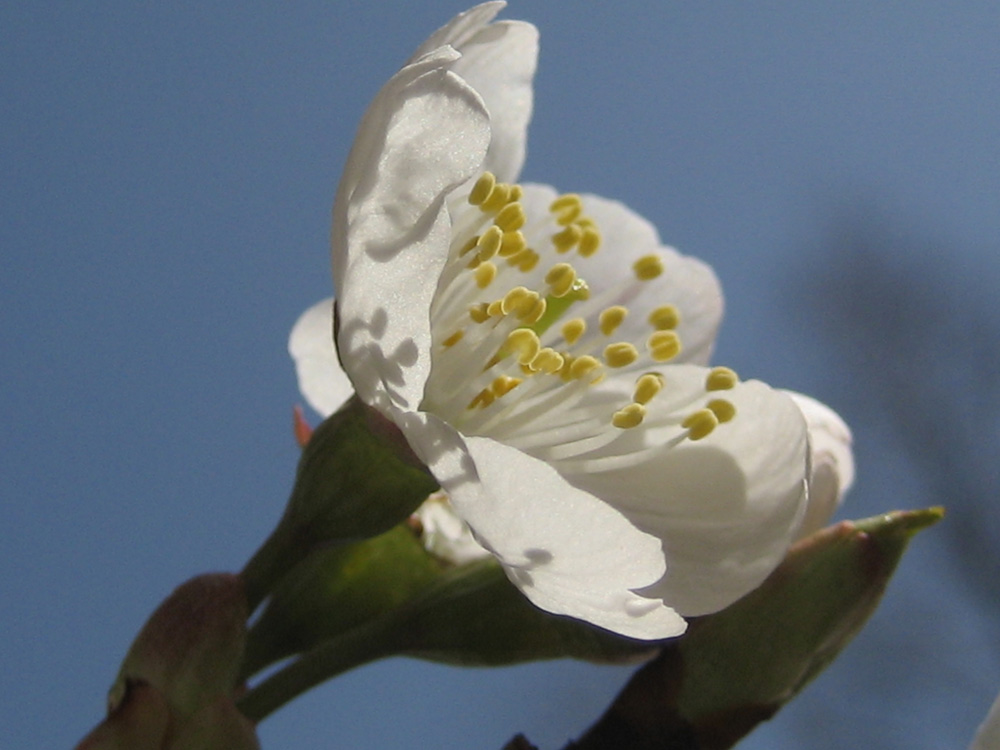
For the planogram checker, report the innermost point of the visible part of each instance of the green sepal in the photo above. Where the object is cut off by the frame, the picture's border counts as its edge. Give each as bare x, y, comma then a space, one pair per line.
357, 478
337, 589
474, 616
736, 668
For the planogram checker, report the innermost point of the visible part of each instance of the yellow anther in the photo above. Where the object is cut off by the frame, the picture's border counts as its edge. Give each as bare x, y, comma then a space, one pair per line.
663, 345
535, 314
469, 245
721, 379
581, 367
495, 309
504, 384
611, 318
489, 243
483, 399
573, 329
453, 339
481, 190
722, 409
512, 244
565, 240
631, 416
700, 424
646, 387
566, 208
561, 278
515, 193
515, 299
547, 360
665, 318
499, 197
485, 273
510, 218
590, 242
620, 354
479, 313
648, 267
524, 342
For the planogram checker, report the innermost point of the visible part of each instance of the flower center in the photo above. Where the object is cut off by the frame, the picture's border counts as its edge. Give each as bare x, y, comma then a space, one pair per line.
526, 353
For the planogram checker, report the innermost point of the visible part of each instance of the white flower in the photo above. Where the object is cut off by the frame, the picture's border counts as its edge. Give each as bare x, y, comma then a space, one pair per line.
831, 462
546, 356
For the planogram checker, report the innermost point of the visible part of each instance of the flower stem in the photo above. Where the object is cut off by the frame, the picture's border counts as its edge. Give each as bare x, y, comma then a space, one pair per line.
367, 643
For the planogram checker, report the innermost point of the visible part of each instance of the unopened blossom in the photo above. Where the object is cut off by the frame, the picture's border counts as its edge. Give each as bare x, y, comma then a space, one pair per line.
546, 356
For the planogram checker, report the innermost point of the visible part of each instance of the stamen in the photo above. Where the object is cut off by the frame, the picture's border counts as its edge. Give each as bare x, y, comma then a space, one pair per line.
583, 366
485, 273
499, 197
512, 244
590, 242
648, 267
663, 345
482, 189
721, 379
511, 217
631, 416
566, 208
479, 313
573, 329
547, 360
620, 354
700, 424
646, 387
611, 318
453, 339
722, 409
561, 278
489, 244
525, 343
565, 240
665, 318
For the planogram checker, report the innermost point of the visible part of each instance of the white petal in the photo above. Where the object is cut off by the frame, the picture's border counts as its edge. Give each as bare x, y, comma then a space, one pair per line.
686, 282
498, 61
426, 133
322, 381
726, 506
568, 552
831, 471
445, 534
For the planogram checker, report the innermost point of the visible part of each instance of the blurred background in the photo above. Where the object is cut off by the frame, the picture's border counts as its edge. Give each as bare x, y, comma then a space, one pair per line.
167, 174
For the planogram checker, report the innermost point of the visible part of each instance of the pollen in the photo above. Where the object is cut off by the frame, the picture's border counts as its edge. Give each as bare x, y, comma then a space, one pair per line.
489, 244
485, 273
512, 243
567, 239
482, 189
722, 409
700, 424
646, 387
664, 318
581, 367
648, 267
453, 339
499, 197
628, 417
663, 345
479, 313
547, 360
721, 379
590, 241
566, 208
535, 314
620, 354
560, 279
573, 329
611, 318
524, 342
510, 218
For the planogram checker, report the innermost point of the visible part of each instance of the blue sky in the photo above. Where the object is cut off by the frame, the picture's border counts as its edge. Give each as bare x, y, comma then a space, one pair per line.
168, 172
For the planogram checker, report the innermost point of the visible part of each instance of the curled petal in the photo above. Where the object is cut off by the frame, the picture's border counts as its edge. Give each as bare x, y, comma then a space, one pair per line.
831, 461
426, 133
322, 381
726, 507
498, 61
565, 549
